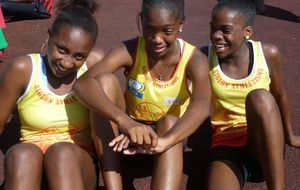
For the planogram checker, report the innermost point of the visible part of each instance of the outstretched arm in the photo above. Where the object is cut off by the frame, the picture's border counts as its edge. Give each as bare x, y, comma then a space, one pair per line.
273, 58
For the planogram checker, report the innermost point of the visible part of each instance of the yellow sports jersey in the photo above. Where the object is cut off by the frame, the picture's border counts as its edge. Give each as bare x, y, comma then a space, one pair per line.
148, 98
47, 118
228, 98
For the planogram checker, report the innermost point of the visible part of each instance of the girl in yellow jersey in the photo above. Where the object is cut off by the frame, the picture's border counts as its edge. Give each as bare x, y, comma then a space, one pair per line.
250, 116
167, 95
56, 145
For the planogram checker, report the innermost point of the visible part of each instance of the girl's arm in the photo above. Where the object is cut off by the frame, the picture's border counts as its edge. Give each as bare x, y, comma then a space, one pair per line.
196, 113
92, 94
273, 59
13, 81
199, 107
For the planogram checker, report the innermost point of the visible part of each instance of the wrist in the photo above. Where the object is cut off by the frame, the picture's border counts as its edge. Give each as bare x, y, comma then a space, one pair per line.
169, 141
123, 123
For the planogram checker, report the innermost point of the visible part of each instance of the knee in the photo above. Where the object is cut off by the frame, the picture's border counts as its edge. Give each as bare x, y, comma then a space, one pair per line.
23, 151
61, 153
260, 100
165, 124
107, 80
112, 88
23, 154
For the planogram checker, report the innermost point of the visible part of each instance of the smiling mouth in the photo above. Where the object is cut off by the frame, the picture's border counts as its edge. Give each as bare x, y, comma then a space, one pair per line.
159, 49
219, 47
59, 70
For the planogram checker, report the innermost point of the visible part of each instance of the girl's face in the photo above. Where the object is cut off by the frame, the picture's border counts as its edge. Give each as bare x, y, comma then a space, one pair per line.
227, 32
160, 28
68, 50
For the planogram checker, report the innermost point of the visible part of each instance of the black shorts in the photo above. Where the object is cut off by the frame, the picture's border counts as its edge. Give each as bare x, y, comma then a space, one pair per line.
241, 162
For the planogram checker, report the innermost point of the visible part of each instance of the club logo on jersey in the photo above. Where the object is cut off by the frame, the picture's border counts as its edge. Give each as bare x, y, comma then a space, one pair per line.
148, 111
136, 88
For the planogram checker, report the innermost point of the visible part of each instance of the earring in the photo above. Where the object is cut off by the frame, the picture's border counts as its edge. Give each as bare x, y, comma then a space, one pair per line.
247, 37
180, 29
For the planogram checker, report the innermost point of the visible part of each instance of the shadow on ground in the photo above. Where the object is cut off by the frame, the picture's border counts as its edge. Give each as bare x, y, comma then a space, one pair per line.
278, 13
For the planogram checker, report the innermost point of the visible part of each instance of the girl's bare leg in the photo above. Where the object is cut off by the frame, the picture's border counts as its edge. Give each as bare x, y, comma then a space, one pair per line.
23, 167
221, 177
168, 165
69, 167
104, 131
266, 136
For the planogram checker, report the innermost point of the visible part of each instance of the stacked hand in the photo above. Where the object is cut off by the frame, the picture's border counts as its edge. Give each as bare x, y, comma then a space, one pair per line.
142, 137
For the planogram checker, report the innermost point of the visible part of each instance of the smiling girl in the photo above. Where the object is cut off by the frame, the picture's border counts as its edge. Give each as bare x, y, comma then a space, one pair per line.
166, 98
56, 139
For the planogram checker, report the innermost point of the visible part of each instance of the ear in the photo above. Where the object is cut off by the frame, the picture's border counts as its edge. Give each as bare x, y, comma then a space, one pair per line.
248, 31
181, 26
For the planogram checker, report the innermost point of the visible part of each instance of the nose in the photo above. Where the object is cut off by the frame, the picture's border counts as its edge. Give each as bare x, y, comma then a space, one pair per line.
157, 38
67, 62
216, 34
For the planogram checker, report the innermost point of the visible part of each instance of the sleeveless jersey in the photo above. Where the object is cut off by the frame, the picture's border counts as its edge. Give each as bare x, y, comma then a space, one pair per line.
228, 98
47, 118
148, 98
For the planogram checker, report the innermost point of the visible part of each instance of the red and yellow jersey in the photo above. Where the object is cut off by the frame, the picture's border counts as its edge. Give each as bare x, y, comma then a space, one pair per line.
46, 117
148, 98
228, 98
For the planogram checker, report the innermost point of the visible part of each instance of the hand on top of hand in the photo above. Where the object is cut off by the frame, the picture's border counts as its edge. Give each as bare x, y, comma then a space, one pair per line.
138, 134
121, 143
161, 146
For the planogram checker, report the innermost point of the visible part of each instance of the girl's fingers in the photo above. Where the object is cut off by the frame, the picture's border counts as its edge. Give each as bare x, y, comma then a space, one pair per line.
116, 140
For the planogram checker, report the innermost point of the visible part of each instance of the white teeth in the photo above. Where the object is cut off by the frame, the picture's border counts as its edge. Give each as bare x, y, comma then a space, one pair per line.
219, 45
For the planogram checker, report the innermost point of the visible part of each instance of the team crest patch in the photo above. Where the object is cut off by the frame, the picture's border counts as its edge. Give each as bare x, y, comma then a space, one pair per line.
149, 111
136, 88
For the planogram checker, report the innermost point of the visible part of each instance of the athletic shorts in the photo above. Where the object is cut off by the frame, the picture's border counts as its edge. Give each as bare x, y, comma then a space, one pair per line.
241, 162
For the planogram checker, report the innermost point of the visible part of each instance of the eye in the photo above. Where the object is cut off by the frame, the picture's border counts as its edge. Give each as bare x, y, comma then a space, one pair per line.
168, 31
80, 57
62, 50
227, 30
